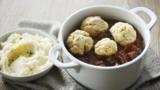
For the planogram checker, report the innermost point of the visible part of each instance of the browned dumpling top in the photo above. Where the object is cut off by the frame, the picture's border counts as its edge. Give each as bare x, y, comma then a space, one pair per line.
105, 47
79, 42
94, 25
123, 33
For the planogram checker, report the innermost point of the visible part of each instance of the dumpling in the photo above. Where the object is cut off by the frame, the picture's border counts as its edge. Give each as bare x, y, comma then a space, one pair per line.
123, 33
106, 47
79, 42
94, 25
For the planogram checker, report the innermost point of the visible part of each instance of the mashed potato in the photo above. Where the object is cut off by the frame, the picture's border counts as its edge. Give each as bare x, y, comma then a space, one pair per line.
123, 33
106, 47
94, 25
25, 54
79, 42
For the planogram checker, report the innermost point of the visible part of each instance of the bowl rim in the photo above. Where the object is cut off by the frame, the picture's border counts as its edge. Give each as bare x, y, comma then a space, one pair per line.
81, 63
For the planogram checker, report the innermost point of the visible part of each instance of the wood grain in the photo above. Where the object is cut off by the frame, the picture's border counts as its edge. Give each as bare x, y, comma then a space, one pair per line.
11, 11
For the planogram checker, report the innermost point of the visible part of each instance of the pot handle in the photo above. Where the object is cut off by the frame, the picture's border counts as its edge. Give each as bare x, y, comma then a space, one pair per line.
54, 55
150, 13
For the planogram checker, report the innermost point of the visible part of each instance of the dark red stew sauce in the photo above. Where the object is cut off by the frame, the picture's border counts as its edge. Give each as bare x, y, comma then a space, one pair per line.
123, 55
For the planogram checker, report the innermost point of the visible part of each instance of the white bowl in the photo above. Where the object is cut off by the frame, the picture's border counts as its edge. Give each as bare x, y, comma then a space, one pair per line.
31, 31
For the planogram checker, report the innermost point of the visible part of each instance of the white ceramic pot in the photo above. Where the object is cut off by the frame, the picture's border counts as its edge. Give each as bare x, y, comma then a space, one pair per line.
97, 77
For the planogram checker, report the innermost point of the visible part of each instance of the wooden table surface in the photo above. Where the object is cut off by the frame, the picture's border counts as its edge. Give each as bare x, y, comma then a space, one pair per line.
11, 11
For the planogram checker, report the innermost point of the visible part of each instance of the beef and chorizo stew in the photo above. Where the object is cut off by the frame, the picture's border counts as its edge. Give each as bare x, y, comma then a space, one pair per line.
104, 42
